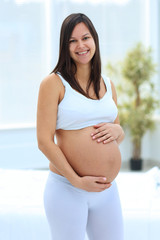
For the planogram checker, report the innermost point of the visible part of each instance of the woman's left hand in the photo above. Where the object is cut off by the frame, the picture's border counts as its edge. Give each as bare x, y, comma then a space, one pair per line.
106, 132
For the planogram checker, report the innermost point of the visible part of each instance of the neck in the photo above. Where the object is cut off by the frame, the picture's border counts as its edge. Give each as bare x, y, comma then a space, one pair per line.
83, 74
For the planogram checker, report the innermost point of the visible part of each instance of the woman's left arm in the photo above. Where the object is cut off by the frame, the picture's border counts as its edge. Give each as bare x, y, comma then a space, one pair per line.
107, 132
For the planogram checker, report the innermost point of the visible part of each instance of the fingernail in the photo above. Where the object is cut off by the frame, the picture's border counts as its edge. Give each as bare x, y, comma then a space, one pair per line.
105, 178
91, 134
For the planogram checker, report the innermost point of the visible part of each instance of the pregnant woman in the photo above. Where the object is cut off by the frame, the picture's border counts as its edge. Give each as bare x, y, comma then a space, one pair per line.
77, 104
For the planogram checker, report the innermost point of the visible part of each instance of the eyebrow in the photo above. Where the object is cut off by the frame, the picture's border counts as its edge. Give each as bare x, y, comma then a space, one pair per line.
82, 35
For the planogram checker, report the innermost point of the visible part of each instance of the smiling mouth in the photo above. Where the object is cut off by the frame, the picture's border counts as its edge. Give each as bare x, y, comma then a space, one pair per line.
82, 53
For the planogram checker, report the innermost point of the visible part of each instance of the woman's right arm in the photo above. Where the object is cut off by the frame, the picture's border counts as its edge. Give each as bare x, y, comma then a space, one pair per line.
50, 94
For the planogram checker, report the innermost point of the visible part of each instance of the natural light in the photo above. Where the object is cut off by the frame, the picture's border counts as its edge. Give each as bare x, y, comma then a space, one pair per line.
29, 50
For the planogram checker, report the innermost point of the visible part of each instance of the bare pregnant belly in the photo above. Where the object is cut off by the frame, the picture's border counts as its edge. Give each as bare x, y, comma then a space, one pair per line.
86, 156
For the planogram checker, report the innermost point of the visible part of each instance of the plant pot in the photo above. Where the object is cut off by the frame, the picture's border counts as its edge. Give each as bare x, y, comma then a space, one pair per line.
136, 164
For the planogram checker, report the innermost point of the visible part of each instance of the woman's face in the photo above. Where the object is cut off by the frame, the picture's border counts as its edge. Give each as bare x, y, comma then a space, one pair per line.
81, 45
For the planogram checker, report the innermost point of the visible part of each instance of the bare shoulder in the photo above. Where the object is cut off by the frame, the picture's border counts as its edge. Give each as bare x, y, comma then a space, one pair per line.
112, 85
114, 94
51, 81
52, 85
48, 100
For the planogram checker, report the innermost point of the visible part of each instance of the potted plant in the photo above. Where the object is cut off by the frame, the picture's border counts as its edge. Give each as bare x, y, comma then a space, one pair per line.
138, 99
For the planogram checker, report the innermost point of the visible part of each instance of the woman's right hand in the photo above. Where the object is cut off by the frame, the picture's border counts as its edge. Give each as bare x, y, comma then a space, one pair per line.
93, 184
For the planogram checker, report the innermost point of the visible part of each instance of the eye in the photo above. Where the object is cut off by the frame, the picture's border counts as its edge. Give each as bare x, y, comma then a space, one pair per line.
85, 38
72, 41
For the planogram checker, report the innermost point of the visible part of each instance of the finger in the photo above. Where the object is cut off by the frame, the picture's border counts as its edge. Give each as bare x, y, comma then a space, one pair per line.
103, 187
104, 128
104, 138
99, 125
100, 134
100, 179
100, 130
108, 185
109, 140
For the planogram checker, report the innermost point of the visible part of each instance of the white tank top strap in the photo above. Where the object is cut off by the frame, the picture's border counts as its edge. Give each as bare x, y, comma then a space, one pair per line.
107, 81
65, 83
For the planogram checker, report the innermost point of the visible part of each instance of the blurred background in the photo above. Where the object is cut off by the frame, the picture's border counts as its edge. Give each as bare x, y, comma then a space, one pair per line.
29, 43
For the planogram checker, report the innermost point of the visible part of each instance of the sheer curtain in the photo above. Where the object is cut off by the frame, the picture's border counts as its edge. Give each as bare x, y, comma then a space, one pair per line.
22, 60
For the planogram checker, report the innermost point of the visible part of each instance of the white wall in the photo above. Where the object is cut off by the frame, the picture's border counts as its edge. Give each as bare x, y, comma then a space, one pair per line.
18, 149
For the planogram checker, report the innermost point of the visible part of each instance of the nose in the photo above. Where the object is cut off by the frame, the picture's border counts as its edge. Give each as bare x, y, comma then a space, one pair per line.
80, 44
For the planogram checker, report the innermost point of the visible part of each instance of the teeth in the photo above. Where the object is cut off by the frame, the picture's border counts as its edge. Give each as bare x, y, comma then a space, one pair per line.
81, 53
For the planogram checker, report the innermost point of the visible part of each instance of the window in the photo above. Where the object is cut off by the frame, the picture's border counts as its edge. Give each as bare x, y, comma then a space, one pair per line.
22, 59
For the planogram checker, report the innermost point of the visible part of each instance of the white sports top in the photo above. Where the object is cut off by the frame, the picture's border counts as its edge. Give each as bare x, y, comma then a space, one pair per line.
76, 111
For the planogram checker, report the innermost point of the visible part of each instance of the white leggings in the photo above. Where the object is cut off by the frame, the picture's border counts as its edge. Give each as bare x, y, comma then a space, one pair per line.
72, 211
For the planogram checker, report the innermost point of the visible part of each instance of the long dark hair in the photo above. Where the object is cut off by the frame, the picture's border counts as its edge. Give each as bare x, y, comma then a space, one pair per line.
66, 66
